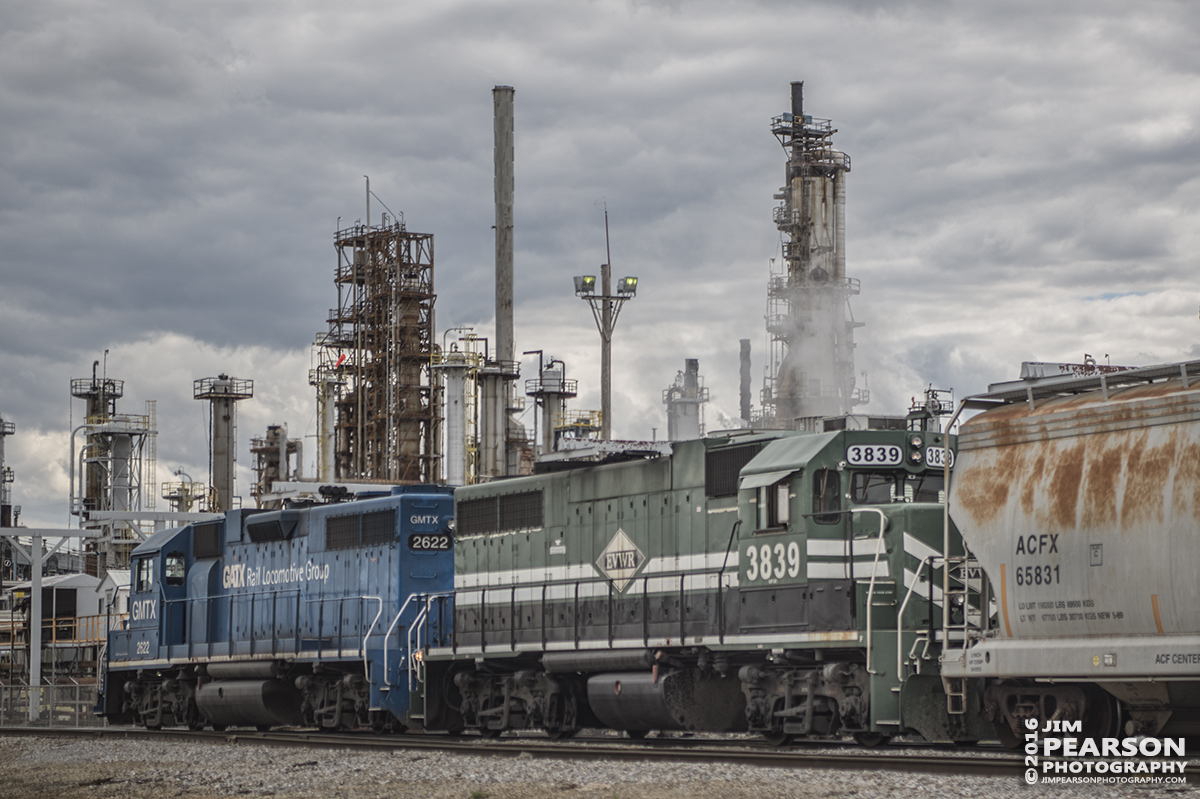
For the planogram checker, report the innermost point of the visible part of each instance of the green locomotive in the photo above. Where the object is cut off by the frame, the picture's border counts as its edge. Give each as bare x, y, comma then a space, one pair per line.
790, 584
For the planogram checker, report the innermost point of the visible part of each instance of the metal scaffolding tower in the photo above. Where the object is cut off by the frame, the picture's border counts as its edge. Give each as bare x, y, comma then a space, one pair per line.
375, 358
811, 371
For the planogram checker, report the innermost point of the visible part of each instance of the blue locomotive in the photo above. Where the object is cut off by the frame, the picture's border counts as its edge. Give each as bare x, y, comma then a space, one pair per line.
284, 617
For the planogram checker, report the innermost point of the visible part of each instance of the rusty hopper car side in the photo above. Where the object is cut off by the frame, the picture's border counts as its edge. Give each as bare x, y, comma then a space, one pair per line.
1080, 498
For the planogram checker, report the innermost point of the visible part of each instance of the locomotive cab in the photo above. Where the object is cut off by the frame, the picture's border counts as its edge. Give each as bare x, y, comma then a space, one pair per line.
158, 568
842, 568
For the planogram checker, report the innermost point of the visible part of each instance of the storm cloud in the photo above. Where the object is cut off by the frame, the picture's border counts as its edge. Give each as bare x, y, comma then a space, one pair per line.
1024, 187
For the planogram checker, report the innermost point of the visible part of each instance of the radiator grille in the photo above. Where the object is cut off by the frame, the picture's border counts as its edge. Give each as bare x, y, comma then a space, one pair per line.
206, 540
379, 527
521, 511
341, 532
722, 466
476, 516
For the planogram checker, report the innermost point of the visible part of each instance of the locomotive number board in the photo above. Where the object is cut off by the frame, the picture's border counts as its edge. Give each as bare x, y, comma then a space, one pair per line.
874, 455
439, 542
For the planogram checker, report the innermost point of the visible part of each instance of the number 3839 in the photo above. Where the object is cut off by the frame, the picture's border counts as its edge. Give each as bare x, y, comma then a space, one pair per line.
767, 562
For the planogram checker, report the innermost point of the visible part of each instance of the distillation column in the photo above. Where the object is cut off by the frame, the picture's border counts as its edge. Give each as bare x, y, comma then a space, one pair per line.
223, 392
454, 366
550, 391
684, 400
812, 363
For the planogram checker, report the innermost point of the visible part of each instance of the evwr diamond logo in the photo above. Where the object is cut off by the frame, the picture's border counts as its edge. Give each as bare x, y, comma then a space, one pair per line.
620, 560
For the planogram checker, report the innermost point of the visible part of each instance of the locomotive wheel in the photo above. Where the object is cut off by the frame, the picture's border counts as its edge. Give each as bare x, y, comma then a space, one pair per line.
153, 727
559, 733
636, 735
777, 738
220, 727
488, 732
1104, 716
871, 739
196, 726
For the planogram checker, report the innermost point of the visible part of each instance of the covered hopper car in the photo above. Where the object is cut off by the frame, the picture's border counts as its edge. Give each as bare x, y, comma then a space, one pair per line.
1080, 499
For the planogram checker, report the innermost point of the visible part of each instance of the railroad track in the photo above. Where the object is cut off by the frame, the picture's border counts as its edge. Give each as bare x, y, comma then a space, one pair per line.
903, 759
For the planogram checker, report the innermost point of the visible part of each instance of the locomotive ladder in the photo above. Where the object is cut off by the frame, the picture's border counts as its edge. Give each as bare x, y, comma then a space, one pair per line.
965, 610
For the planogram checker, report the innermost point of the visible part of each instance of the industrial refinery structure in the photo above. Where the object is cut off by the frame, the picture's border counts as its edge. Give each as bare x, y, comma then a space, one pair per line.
393, 407
113, 472
810, 373
377, 403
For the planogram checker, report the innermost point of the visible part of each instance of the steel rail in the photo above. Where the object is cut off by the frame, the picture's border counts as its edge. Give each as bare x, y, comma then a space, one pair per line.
961, 762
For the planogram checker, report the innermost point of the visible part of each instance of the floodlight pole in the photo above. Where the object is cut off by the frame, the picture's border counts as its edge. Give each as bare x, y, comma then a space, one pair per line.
606, 337
606, 307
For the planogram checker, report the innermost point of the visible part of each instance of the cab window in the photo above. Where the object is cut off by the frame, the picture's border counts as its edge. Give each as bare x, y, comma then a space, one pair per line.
173, 569
827, 501
143, 576
882, 488
774, 505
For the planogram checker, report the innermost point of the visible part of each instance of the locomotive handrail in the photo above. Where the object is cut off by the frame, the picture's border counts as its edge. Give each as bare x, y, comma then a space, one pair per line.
388, 635
874, 565
962, 406
413, 641
874, 569
904, 605
572, 592
374, 621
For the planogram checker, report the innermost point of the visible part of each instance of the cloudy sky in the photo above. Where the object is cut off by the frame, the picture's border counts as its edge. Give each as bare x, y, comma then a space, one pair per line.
1024, 187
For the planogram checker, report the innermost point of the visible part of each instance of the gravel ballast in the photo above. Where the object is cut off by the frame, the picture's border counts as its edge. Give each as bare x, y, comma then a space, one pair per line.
46, 767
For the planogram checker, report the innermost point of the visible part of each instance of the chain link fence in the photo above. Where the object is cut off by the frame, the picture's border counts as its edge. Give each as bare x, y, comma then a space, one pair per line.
58, 706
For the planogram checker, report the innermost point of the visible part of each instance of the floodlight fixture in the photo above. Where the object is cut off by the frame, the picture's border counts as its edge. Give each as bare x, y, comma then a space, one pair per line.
627, 286
585, 285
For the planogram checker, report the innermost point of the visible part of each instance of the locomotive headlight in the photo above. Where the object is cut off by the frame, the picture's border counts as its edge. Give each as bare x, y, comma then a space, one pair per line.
915, 456
916, 442
450, 525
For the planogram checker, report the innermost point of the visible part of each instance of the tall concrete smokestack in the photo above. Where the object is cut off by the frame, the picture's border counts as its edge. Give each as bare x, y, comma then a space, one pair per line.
501, 435
502, 101
744, 373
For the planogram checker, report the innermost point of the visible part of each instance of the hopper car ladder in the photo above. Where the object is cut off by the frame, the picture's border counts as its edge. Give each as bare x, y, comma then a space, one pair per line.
964, 592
